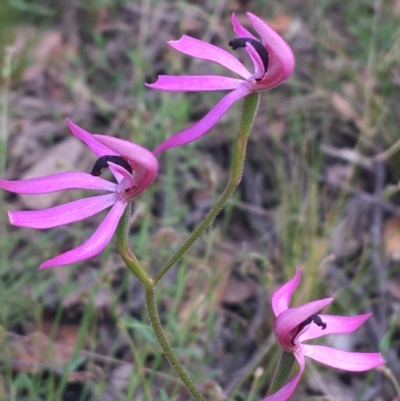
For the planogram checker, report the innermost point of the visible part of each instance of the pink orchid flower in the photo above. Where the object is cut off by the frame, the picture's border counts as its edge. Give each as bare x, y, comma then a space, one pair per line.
123, 158
295, 325
273, 62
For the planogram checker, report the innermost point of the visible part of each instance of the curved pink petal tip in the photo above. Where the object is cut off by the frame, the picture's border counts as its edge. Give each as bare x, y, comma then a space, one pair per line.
282, 61
334, 325
350, 361
96, 147
239, 29
57, 182
205, 124
94, 244
63, 214
282, 296
206, 51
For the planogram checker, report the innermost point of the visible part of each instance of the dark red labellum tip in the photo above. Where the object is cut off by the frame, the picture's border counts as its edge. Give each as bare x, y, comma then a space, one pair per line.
102, 162
258, 46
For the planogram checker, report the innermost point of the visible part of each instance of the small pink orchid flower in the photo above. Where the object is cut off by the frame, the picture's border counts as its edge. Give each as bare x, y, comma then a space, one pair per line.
293, 326
273, 62
123, 158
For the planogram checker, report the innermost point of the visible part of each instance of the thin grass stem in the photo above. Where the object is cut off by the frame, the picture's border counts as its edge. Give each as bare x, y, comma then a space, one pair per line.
5, 75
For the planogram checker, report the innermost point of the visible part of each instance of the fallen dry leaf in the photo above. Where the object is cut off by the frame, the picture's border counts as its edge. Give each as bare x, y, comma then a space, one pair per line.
121, 377
391, 238
394, 288
396, 6
66, 334
34, 353
344, 107
49, 45
238, 289
280, 23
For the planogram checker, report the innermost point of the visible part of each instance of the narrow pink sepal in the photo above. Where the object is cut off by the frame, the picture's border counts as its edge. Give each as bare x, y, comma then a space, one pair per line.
289, 319
282, 296
96, 147
334, 325
63, 214
239, 29
195, 83
206, 51
94, 244
351, 361
285, 392
57, 182
205, 124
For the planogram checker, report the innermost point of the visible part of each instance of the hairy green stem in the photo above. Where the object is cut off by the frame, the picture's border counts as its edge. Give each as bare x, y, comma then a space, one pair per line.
169, 353
282, 372
126, 253
249, 110
148, 283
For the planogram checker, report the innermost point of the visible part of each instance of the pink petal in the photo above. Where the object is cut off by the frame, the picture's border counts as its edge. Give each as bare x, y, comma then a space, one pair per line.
195, 83
282, 296
240, 30
127, 180
206, 51
259, 68
351, 361
143, 161
284, 393
96, 147
94, 244
134, 154
334, 325
64, 214
282, 62
116, 174
289, 319
57, 182
205, 124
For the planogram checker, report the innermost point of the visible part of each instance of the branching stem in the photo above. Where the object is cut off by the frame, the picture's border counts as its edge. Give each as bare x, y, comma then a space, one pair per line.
250, 105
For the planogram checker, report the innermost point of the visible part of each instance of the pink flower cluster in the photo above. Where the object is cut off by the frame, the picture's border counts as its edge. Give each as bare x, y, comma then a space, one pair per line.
295, 325
273, 62
135, 167
135, 159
